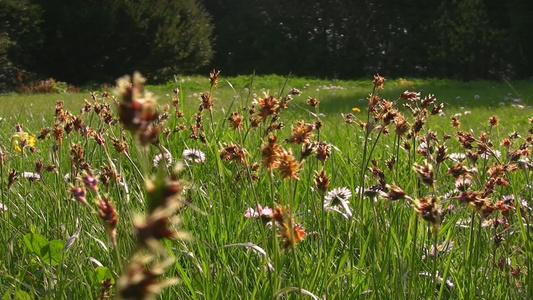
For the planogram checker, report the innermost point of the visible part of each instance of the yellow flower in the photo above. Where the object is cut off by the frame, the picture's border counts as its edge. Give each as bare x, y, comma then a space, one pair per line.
19, 137
356, 109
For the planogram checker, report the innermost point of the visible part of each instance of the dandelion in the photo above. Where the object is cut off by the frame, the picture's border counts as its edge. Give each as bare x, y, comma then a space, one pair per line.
193, 155
338, 197
356, 109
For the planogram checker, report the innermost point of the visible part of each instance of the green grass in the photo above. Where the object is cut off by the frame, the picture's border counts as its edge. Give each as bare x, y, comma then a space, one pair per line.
376, 254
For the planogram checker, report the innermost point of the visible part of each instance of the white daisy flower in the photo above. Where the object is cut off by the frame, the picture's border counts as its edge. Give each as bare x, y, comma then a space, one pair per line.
166, 156
193, 155
456, 157
31, 176
496, 153
339, 197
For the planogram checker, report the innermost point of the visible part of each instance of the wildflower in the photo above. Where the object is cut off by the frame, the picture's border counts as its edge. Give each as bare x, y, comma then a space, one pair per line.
456, 157
444, 248
463, 183
356, 109
338, 197
137, 112
141, 282
268, 106
157, 226
90, 181
429, 209
378, 81
290, 232
321, 180
109, 216
30, 176
20, 140
313, 102
441, 154
349, 118
193, 155
493, 121
212, 78
401, 125
207, 101
288, 167
437, 109
323, 151
235, 119
393, 193
162, 156
455, 122
410, 96
11, 178
301, 133
270, 152
79, 194
264, 213
233, 152
121, 146
425, 172
428, 100
294, 91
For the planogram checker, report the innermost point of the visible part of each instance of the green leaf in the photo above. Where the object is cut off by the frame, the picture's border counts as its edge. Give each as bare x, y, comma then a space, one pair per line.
35, 243
51, 253
22, 295
101, 274
7, 294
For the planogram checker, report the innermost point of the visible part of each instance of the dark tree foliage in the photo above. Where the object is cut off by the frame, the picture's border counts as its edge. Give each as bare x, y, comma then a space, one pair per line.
80, 40
465, 39
19, 33
101, 39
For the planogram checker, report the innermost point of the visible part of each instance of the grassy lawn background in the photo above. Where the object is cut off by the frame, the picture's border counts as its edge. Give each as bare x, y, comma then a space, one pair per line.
382, 252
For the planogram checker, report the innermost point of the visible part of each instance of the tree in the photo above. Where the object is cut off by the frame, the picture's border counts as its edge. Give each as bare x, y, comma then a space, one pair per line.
100, 40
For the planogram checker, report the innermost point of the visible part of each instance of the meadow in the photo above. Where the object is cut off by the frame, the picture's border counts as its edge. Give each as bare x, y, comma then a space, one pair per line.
267, 187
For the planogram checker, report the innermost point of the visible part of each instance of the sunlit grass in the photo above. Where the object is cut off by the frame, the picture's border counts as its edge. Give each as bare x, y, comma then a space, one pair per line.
383, 251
